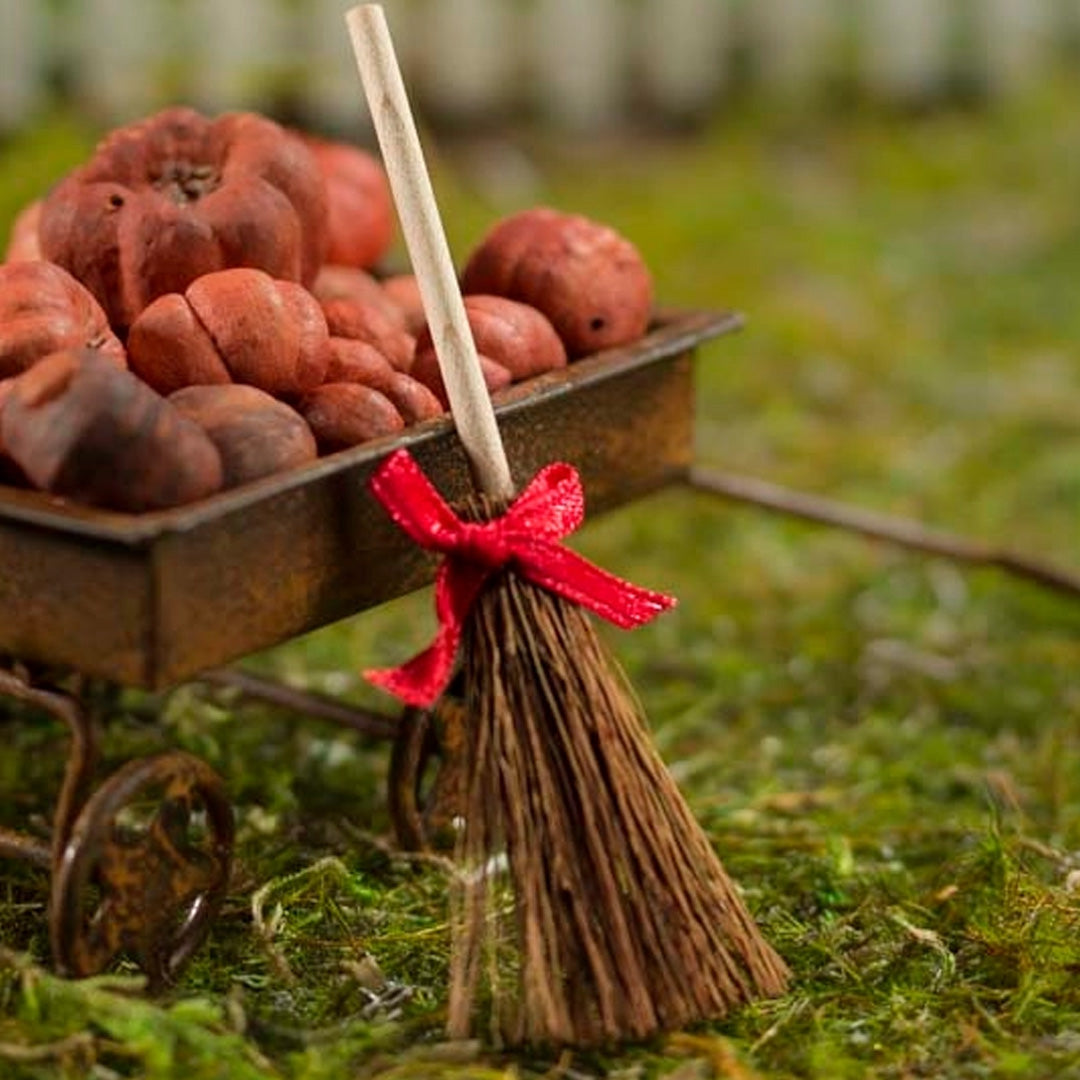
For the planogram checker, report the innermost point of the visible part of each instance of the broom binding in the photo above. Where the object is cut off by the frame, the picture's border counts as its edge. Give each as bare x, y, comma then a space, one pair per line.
524, 534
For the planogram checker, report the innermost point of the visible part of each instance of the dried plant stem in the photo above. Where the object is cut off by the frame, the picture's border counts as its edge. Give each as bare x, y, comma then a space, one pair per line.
626, 923
15, 845
895, 530
368, 722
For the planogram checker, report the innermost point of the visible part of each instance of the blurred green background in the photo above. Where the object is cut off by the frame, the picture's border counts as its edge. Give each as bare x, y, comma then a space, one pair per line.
883, 746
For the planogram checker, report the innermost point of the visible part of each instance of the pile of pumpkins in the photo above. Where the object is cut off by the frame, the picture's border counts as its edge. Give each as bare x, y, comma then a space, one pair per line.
195, 307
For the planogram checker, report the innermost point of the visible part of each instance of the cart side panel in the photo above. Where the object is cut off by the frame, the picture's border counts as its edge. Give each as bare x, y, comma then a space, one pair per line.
69, 602
312, 554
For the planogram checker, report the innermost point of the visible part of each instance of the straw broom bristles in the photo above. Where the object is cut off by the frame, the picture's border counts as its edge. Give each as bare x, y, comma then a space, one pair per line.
625, 921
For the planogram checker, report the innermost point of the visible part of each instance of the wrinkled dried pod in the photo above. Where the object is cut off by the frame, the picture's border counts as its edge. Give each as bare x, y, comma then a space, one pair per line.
23, 243
511, 337
357, 286
360, 218
179, 195
255, 434
347, 414
81, 427
359, 362
359, 321
44, 309
587, 279
232, 326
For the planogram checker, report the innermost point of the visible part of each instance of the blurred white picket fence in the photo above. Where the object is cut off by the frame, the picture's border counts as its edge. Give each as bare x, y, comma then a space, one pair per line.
581, 63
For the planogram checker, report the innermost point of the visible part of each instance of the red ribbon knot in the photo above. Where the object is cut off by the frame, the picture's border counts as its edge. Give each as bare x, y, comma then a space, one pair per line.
526, 536
483, 543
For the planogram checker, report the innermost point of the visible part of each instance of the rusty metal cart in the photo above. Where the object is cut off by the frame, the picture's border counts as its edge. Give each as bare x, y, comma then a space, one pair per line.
153, 600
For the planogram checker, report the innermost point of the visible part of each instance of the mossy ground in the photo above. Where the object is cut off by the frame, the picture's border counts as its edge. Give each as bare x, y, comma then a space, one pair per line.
885, 748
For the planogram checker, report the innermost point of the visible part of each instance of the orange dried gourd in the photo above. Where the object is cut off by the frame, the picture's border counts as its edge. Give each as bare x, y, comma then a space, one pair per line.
256, 434
359, 362
590, 281
335, 282
44, 309
10, 473
361, 321
23, 243
403, 290
347, 414
81, 427
179, 195
236, 325
514, 341
360, 222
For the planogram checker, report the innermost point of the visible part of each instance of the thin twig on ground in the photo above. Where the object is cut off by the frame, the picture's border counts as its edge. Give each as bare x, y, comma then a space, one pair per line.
895, 530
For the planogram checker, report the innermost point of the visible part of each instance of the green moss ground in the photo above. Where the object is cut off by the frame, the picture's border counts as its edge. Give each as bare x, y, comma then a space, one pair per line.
885, 748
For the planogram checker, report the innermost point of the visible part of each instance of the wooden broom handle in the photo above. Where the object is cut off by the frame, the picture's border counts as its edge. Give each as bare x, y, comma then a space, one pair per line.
425, 239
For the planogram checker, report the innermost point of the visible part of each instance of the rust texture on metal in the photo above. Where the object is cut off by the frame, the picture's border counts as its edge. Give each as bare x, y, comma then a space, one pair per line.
149, 893
78, 772
153, 599
159, 886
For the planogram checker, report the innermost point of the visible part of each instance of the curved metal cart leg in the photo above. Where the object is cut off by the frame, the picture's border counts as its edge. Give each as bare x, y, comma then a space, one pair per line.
150, 891
426, 763
427, 776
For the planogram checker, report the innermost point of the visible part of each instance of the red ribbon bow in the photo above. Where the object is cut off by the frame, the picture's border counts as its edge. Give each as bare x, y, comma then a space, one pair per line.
525, 537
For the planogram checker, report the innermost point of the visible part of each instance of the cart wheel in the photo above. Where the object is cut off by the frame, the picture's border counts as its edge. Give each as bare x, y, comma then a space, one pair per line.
154, 843
427, 776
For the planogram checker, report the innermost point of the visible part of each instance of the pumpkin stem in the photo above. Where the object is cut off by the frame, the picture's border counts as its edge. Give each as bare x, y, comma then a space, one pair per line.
185, 182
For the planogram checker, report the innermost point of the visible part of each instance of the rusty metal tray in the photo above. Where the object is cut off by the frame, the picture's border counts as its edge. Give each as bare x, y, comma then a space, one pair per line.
152, 599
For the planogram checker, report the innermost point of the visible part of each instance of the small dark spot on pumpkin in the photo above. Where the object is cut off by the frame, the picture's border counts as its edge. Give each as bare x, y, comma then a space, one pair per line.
596, 323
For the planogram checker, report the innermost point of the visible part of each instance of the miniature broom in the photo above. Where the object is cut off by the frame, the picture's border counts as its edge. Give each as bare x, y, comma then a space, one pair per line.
624, 921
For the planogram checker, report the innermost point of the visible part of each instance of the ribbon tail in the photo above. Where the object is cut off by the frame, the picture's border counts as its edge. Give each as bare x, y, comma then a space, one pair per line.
420, 682
563, 571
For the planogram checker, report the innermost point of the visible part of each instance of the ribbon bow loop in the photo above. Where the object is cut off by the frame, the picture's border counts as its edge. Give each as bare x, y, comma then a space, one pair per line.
552, 505
525, 538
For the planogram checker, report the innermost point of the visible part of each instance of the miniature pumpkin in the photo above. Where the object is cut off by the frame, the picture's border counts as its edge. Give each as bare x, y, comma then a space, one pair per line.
347, 414
81, 427
404, 292
426, 371
10, 473
514, 341
360, 219
351, 283
255, 434
23, 243
179, 195
360, 321
44, 309
232, 326
360, 362
586, 278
